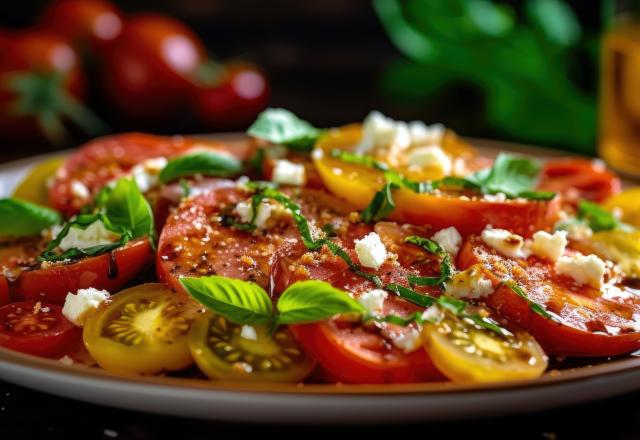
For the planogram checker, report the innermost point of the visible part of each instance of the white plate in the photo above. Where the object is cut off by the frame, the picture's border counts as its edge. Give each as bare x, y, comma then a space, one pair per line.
311, 403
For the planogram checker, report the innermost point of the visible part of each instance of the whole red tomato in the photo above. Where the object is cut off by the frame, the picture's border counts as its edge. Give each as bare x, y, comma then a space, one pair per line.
41, 84
242, 93
152, 65
87, 24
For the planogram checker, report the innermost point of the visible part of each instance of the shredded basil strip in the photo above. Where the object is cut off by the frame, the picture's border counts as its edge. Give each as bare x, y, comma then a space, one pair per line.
459, 308
446, 266
535, 307
381, 205
411, 295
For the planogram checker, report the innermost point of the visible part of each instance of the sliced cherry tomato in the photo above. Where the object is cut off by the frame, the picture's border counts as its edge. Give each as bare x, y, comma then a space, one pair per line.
41, 76
34, 186
88, 24
242, 92
143, 330
108, 158
36, 328
111, 272
221, 351
583, 321
578, 179
468, 353
151, 67
358, 184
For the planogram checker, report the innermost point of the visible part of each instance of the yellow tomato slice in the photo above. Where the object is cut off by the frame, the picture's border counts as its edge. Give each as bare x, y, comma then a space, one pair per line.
143, 330
621, 247
467, 353
627, 202
33, 186
224, 350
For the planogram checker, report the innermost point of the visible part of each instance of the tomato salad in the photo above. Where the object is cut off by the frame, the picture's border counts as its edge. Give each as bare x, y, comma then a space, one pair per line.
380, 252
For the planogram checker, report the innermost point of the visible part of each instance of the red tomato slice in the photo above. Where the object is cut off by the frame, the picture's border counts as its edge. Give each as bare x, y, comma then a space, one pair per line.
108, 271
578, 179
586, 321
4, 291
108, 158
36, 328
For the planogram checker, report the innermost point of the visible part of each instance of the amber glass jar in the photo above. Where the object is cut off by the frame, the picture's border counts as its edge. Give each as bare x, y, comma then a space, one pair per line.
619, 137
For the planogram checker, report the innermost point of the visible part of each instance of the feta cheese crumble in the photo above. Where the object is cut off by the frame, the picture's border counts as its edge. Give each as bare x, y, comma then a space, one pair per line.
146, 173
288, 173
79, 190
584, 269
249, 332
381, 132
431, 157
267, 213
96, 234
76, 307
449, 239
373, 300
505, 242
408, 341
550, 246
470, 283
371, 251
66, 360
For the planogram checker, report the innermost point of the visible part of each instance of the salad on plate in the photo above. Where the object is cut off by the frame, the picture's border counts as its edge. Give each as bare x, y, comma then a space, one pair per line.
380, 252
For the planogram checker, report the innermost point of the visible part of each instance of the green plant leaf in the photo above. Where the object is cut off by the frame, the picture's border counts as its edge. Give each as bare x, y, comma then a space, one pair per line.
280, 126
446, 266
208, 163
126, 208
242, 302
511, 175
556, 20
490, 18
598, 218
20, 218
312, 301
381, 205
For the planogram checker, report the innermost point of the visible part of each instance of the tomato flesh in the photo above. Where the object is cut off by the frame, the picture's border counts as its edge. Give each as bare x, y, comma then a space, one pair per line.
36, 328
585, 321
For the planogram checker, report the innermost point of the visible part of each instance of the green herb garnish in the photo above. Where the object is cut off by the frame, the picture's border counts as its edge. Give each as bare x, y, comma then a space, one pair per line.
21, 218
207, 163
535, 307
446, 266
280, 126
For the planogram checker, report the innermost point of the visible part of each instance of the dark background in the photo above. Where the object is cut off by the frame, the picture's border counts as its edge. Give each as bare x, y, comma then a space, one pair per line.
326, 60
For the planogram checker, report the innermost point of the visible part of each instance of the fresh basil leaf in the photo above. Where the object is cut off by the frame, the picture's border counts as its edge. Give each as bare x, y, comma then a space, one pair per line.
127, 209
312, 301
598, 218
537, 195
207, 163
381, 205
358, 159
20, 218
511, 175
535, 307
280, 126
456, 306
242, 302
446, 266
75, 253
410, 295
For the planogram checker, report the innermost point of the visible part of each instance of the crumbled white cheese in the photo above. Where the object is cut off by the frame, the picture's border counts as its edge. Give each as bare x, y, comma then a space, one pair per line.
550, 246
503, 241
76, 307
66, 360
79, 190
579, 232
249, 332
584, 269
373, 300
449, 239
146, 173
267, 212
288, 173
95, 234
408, 341
498, 197
431, 157
423, 134
371, 251
470, 283
380, 132
432, 314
